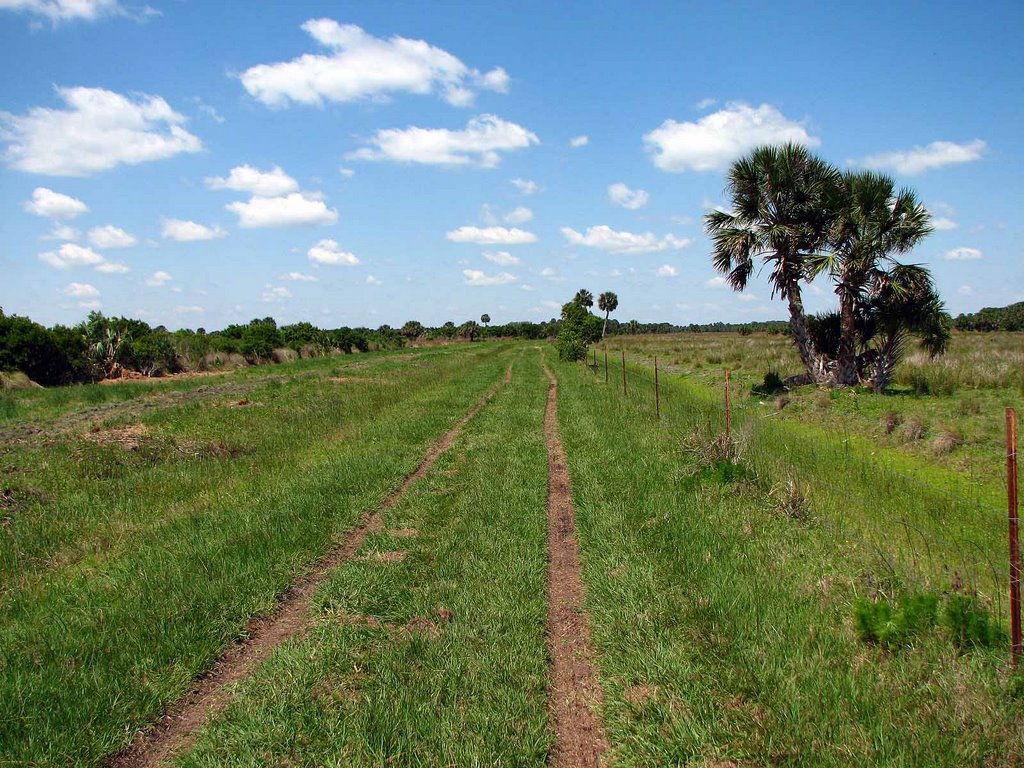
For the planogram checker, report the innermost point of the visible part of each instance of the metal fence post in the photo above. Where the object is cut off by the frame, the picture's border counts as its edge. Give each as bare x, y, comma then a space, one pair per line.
657, 389
606, 366
1011, 494
624, 372
728, 408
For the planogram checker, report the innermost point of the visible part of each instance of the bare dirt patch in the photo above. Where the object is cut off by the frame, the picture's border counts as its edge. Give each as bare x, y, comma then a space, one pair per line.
574, 696
403, 533
129, 437
392, 556
353, 379
176, 730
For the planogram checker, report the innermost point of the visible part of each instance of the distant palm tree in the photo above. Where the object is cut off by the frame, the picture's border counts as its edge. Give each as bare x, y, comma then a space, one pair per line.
607, 302
584, 298
777, 216
872, 221
485, 318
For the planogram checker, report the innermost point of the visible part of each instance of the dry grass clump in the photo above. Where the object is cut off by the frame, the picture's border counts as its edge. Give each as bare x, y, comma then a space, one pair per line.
709, 451
946, 441
791, 499
914, 428
890, 421
13, 381
822, 400
781, 402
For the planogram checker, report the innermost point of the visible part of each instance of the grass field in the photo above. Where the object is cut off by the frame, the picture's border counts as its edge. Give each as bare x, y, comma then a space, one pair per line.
144, 525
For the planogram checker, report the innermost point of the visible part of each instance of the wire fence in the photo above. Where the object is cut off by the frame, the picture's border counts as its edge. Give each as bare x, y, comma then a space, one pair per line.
924, 527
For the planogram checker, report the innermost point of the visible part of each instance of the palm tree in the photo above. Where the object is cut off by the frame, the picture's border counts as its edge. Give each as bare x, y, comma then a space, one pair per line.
777, 216
485, 318
871, 221
584, 298
607, 302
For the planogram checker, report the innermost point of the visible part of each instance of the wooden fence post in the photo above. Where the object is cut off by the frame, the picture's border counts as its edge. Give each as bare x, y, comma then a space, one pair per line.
624, 372
1011, 494
657, 390
606, 366
728, 408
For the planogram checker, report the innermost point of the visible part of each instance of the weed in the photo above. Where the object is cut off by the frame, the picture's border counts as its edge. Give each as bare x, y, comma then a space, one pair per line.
914, 428
890, 421
790, 498
946, 441
772, 384
883, 623
970, 624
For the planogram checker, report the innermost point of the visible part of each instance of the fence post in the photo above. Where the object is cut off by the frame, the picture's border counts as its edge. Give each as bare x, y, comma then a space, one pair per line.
606, 366
657, 389
1011, 493
728, 408
624, 372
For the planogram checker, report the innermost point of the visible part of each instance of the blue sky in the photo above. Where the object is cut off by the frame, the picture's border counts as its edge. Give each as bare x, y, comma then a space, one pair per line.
198, 163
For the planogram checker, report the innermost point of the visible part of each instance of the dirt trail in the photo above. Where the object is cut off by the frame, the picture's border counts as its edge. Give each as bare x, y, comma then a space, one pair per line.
176, 731
574, 699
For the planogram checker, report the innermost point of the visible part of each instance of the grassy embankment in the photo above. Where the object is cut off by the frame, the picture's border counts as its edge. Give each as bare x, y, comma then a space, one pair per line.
427, 650
725, 628
135, 548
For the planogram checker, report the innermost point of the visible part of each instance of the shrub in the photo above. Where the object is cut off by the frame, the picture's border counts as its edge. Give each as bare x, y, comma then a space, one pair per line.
946, 441
883, 623
890, 421
790, 499
914, 428
771, 384
970, 624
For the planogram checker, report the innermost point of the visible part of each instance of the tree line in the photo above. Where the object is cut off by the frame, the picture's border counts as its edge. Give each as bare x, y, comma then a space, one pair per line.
1010, 318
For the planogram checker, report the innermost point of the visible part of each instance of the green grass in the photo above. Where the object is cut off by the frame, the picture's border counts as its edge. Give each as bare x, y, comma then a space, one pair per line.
434, 660
725, 630
125, 572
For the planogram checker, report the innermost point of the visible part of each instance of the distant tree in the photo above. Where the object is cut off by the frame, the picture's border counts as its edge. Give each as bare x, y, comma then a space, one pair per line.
607, 302
577, 330
485, 319
412, 330
584, 298
469, 330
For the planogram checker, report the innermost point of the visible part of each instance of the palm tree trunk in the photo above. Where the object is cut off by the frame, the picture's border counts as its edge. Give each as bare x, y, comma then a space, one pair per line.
605, 329
813, 362
846, 371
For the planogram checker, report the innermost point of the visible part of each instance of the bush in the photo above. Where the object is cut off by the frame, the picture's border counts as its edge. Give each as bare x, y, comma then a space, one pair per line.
35, 351
771, 385
970, 624
882, 623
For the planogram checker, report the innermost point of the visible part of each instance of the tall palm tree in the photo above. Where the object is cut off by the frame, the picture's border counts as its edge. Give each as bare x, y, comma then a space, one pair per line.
584, 298
607, 302
871, 222
777, 216
485, 318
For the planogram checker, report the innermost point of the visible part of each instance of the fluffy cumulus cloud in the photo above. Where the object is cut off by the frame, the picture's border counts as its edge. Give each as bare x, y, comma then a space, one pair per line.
579, 141
297, 277
81, 291
158, 279
97, 131
502, 258
65, 10
479, 143
62, 232
963, 254
478, 278
943, 224
632, 199
491, 236
938, 154
716, 282
110, 237
72, 256
298, 208
189, 231
54, 205
667, 270
245, 178
605, 238
715, 140
330, 253
371, 280
276, 293
519, 215
525, 186
359, 66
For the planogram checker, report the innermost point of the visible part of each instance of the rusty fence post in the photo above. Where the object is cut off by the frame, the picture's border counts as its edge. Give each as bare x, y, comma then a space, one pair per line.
1011, 494
728, 408
657, 389
624, 372
606, 366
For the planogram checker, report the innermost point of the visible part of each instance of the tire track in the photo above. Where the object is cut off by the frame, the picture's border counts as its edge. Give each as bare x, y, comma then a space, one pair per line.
177, 729
574, 697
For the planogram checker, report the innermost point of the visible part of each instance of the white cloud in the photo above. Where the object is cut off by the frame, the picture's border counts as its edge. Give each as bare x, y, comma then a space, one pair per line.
965, 290
361, 66
607, 239
477, 277
579, 141
110, 236
54, 205
81, 291
942, 224
329, 252
278, 293
479, 143
706, 104
65, 10
519, 215
99, 130
62, 232
715, 140
548, 272
189, 309
297, 208
371, 280
189, 231
502, 258
70, 256
935, 155
491, 236
297, 277
963, 254
525, 186
90, 305
632, 199
348, 173
158, 279
667, 270
245, 178
717, 282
